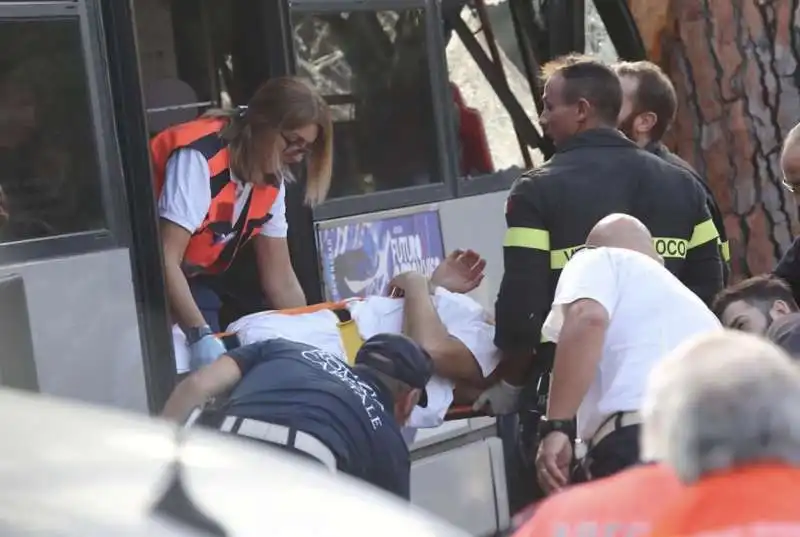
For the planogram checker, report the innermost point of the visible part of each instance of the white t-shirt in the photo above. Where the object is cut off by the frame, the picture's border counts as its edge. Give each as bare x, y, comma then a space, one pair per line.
650, 311
463, 318
186, 196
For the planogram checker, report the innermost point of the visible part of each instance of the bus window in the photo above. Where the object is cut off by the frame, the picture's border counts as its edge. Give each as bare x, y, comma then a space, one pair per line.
598, 42
186, 59
49, 172
485, 132
373, 69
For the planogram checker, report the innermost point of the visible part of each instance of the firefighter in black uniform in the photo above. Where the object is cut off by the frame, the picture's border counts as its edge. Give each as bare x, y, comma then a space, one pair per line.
595, 171
649, 104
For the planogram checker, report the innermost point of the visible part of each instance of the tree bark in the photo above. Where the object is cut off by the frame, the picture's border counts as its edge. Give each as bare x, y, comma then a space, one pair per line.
736, 69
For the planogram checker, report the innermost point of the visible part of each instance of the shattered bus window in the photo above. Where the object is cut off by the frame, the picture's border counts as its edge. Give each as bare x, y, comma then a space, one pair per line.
372, 68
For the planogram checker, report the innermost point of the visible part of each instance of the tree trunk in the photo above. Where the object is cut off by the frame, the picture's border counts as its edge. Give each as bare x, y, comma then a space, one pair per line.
736, 68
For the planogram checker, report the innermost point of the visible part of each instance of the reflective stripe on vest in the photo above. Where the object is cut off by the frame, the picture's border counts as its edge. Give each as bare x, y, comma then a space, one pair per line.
214, 244
667, 247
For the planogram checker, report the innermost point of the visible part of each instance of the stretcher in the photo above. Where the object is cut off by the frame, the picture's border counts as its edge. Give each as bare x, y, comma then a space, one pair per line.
351, 340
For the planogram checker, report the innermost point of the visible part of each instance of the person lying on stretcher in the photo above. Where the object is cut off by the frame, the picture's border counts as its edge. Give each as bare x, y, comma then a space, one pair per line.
454, 329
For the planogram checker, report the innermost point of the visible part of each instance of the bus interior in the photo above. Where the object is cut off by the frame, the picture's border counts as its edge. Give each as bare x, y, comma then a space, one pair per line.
435, 106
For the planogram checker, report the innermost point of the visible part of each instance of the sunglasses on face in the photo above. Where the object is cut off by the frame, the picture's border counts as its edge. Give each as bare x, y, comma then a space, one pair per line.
296, 144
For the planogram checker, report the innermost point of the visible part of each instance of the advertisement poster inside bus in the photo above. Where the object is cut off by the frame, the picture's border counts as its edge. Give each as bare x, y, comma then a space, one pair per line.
360, 258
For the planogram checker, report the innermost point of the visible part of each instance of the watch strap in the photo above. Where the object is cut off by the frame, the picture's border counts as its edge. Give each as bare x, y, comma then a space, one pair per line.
547, 426
196, 333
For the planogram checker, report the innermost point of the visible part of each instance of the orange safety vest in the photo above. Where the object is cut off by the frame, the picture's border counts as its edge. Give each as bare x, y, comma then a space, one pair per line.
757, 499
624, 504
207, 252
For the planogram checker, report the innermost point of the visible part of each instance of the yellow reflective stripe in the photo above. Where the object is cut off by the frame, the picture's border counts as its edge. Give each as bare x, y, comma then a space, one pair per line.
670, 247
703, 232
351, 339
725, 251
527, 237
559, 258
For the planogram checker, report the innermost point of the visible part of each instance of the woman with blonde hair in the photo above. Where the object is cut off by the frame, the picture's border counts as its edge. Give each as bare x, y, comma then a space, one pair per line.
220, 181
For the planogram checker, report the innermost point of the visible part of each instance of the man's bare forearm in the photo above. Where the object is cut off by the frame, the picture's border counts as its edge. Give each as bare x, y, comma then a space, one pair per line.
210, 381
182, 304
579, 350
186, 396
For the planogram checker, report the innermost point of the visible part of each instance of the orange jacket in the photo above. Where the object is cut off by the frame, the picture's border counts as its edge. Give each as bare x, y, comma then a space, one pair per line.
206, 252
759, 499
618, 506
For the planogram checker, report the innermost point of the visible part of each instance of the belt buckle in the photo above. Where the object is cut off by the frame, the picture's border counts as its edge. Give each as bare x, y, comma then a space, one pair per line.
581, 449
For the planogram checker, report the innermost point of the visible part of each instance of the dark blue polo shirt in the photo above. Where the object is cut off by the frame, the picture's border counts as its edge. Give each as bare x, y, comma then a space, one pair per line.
303, 387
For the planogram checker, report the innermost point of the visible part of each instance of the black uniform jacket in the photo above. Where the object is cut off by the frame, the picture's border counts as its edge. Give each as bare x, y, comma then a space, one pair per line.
660, 150
551, 209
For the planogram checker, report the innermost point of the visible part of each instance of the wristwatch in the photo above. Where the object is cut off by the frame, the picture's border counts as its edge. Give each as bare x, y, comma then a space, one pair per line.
196, 333
547, 426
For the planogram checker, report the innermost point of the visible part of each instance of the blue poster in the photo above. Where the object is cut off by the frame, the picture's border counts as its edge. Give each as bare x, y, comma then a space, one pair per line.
360, 258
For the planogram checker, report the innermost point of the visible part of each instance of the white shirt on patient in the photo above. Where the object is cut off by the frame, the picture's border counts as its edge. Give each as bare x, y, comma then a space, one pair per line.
463, 318
650, 311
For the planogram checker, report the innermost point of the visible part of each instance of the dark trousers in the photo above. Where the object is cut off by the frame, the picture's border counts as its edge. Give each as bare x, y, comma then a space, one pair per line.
221, 301
226, 297
616, 452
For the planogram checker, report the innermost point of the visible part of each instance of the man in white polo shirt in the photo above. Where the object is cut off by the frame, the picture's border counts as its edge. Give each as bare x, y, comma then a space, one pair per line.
617, 312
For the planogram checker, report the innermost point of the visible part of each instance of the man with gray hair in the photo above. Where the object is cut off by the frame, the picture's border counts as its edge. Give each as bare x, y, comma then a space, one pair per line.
788, 267
617, 311
727, 410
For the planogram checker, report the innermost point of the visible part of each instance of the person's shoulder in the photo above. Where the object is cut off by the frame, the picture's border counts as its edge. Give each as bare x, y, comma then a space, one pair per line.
785, 332
583, 498
535, 188
674, 177
629, 482
533, 179
599, 254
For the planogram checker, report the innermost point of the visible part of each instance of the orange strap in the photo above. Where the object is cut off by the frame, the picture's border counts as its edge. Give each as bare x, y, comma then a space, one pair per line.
303, 309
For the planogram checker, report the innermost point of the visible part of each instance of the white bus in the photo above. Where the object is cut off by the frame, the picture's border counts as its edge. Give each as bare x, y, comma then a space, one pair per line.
435, 104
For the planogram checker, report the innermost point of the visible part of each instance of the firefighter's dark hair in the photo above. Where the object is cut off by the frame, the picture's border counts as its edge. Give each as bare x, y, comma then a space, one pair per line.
589, 79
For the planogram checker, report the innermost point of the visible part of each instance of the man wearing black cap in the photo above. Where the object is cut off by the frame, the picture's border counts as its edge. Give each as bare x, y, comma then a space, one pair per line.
308, 401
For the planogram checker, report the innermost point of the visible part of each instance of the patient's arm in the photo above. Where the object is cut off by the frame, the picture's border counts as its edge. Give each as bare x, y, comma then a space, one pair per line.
451, 358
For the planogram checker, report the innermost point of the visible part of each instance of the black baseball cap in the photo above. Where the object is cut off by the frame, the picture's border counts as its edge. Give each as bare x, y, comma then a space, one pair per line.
785, 333
399, 357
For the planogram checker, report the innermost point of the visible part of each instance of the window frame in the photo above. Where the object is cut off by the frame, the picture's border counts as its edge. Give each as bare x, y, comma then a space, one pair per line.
485, 183
406, 196
117, 231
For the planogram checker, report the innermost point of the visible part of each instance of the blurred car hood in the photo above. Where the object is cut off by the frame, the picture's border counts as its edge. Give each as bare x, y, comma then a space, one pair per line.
68, 469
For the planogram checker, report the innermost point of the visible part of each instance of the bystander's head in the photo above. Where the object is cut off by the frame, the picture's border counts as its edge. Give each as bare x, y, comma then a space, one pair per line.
648, 101
724, 400
752, 305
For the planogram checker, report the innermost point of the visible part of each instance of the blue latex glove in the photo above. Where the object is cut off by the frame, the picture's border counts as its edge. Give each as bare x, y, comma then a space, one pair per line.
205, 351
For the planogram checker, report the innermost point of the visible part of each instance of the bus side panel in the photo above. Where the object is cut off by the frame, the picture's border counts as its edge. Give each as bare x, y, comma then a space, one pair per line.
85, 328
479, 223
